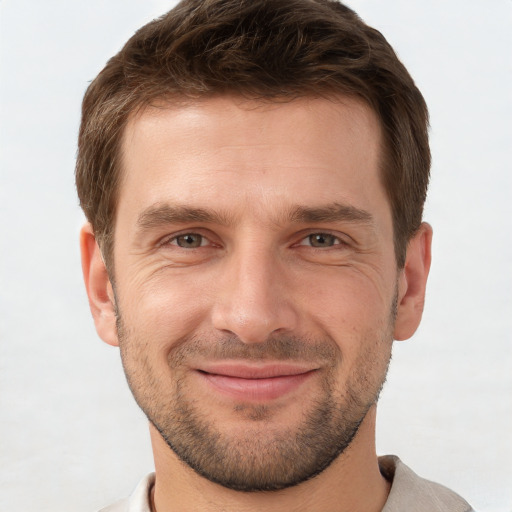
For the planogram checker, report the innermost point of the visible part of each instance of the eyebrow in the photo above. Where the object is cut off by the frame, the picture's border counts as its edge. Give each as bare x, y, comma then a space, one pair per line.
164, 214
335, 212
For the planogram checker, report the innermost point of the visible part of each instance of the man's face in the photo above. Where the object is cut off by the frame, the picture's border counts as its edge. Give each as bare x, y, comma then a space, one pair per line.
255, 282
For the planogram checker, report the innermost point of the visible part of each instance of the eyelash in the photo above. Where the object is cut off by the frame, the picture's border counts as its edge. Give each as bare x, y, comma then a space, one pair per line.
173, 240
170, 240
335, 239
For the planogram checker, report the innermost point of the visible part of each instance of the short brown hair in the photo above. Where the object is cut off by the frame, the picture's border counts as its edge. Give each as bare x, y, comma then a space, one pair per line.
275, 50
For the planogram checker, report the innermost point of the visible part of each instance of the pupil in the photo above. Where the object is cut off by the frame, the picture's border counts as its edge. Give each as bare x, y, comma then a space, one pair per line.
189, 240
321, 240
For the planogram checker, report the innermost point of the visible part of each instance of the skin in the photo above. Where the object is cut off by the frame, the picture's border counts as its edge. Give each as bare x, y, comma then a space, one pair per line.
263, 173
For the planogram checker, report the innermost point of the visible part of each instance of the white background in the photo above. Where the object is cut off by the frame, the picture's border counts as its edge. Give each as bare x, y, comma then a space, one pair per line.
72, 439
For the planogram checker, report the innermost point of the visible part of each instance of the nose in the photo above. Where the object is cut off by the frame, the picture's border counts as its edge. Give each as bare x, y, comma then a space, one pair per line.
254, 299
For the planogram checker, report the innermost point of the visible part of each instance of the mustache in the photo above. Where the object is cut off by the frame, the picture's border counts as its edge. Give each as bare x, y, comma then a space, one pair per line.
217, 347
278, 347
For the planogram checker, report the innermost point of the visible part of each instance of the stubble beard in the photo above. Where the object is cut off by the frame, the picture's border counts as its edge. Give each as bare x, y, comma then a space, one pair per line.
262, 457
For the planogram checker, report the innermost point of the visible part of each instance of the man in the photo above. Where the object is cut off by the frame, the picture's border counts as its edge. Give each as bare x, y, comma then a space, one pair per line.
253, 174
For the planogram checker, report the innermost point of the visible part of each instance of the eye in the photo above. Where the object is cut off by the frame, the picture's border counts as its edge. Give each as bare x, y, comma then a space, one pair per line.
189, 241
321, 240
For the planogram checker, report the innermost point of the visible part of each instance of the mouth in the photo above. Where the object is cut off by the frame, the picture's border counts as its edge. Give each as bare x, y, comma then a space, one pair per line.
255, 382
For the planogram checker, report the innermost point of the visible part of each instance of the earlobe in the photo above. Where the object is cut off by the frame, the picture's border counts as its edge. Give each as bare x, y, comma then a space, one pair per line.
98, 286
412, 283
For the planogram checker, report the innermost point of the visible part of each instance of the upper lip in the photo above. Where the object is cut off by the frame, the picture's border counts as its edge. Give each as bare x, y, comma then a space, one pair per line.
244, 370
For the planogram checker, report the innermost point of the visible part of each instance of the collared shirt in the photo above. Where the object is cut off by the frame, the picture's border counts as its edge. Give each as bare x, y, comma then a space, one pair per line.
408, 493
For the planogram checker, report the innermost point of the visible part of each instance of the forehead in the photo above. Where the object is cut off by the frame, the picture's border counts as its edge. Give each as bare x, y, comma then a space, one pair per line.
225, 120
251, 154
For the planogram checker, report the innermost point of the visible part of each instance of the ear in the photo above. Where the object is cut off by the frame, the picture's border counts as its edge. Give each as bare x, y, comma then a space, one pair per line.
98, 286
412, 282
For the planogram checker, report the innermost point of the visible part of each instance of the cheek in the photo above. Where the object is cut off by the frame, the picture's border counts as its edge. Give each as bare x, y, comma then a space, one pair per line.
163, 309
356, 312
347, 300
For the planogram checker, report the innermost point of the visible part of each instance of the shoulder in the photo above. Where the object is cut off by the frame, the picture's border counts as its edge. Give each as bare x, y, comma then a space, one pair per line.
138, 500
411, 492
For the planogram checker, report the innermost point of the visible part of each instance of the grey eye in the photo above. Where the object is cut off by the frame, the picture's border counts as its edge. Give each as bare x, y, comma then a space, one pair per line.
189, 240
322, 240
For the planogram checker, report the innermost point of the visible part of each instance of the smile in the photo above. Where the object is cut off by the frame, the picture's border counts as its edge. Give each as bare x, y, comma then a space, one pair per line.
262, 383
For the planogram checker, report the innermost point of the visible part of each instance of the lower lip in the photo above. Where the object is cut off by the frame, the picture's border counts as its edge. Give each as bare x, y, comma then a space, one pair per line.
256, 389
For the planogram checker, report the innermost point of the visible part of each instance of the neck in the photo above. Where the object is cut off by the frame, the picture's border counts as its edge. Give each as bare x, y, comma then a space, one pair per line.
351, 483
